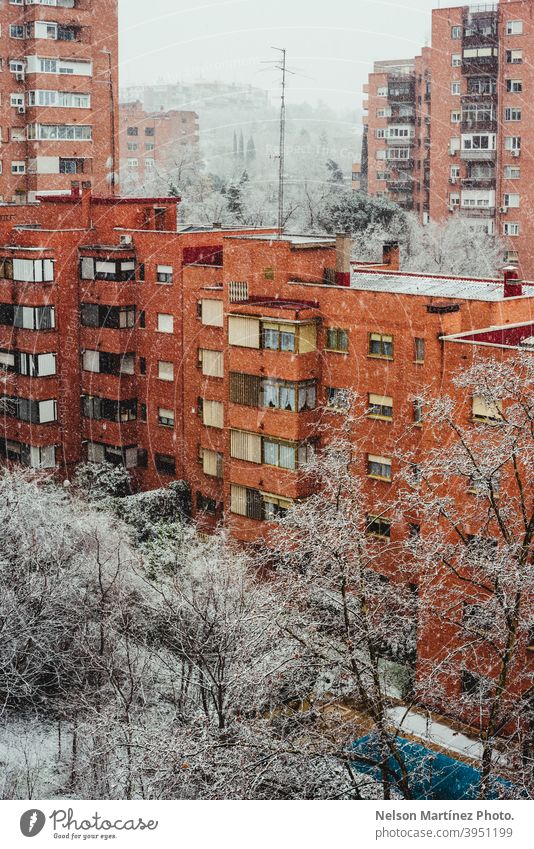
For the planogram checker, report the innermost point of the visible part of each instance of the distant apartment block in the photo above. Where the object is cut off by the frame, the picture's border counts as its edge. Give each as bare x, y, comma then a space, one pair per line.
154, 144
448, 133
58, 91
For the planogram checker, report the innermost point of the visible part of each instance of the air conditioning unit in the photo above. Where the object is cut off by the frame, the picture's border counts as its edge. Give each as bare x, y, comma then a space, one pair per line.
126, 239
20, 76
503, 209
516, 152
453, 180
21, 110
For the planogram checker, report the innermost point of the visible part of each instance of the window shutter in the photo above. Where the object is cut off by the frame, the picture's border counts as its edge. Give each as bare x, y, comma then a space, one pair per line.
213, 414
212, 363
380, 400
245, 446
238, 500
244, 331
91, 361
211, 463
165, 370
245, 389
212, 313
483, 409
47, 411
307, 338
95, 452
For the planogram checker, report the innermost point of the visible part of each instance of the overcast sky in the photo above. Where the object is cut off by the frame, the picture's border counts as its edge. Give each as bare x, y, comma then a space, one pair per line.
331, 43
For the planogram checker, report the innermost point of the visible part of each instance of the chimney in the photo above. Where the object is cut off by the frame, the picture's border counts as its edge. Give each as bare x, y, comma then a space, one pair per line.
391, 255
513, 286
343, 253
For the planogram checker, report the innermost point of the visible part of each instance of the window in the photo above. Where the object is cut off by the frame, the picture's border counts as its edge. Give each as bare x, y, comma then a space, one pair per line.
30, 318
378, 527
456, 32
102, 362
417, 411
337, 340
512, 172
150, 131
149, 162
254, 391
244, 331
382, 91
133, 163
478, 141
211, 362
213, 414
337, 399
419, 345
514, 57
257, 505
212, 463
511, 256
514, 85
98, 269
165, 464
455, 88
454, 172
132, 147
59, 132
166, 417
278, 337
142, 365
456, 117
99, 315
480, 485
165, 323
379, 467
475, 685
132, 131
165, 370
211, 312
380, 406
381, 346
96, 408
511, 200
511, 228
512, 143
456, 60
512, 113
18, 167
27, 270
164, 274
514, 27
486, 411
278, 395
16, 31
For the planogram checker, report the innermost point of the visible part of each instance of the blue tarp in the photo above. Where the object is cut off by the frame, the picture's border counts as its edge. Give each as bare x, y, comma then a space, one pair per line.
432, 775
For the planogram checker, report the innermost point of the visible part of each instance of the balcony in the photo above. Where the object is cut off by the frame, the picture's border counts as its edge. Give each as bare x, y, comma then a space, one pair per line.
480, 65
401, 119
478, 155
474, 96
401, 96
478, 182
401, 164
400, 142
476, 125
400, 185
477, 212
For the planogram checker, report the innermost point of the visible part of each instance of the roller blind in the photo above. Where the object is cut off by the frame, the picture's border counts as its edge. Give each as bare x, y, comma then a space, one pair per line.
244, 331
307, 338
483, 409
245, 389
380, 400
213, 414
212, 313
238, 500
245, 446
212, 363
212, 463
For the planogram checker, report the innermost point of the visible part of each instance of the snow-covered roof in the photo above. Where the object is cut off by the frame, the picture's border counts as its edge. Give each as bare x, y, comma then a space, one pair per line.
465, 288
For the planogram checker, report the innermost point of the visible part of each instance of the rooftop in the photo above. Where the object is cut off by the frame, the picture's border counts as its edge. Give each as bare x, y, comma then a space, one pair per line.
297, 240
461, 288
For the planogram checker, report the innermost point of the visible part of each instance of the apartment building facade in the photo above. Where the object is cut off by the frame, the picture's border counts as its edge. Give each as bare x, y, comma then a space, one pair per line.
479, 117
154, 145
59, 95
224, 358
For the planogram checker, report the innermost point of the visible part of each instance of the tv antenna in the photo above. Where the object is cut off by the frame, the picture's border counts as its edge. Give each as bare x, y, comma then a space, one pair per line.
281, 65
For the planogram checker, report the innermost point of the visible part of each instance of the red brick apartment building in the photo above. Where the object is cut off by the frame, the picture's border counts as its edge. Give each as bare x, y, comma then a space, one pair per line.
58, 91
470, 95
153, 144
214, 355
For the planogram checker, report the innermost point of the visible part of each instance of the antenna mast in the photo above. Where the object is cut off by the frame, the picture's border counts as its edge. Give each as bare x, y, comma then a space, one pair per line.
283, 69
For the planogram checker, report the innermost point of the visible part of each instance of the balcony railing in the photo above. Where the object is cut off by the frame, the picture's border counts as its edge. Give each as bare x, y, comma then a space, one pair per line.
401, 142
477, 212
478, 182
478, 155
401, 119
473, 125
400, 185
480, 64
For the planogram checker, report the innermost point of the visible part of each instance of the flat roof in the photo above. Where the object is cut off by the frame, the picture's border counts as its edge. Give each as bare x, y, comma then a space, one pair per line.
459, 288
325, 241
